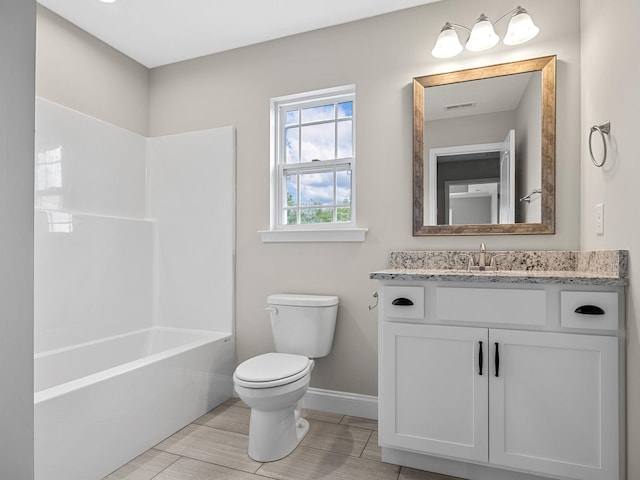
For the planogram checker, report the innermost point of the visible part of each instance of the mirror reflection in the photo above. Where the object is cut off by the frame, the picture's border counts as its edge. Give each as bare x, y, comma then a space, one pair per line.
484, 150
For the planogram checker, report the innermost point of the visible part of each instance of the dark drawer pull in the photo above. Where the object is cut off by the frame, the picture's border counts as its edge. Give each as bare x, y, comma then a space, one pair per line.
402, 302
589, 310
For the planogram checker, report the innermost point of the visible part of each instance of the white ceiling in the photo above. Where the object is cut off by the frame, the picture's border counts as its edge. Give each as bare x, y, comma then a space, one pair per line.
159, 32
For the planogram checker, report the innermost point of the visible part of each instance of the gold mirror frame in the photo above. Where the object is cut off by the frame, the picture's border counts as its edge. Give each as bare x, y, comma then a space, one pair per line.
546, 65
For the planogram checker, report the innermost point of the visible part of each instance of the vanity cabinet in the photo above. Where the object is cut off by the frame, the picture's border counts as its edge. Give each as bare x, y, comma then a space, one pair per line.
500, 377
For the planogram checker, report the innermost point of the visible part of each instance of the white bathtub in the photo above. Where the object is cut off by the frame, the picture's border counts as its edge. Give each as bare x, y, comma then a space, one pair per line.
102, 403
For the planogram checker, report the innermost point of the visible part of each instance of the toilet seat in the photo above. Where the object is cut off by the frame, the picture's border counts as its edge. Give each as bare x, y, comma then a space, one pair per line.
271, 370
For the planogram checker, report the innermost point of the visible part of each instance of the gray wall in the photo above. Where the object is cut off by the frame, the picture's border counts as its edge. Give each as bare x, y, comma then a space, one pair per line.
17, 30
79, 71
610, 72
381, 56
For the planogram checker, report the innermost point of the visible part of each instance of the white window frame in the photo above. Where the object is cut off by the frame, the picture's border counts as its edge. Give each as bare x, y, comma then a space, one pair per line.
329, 231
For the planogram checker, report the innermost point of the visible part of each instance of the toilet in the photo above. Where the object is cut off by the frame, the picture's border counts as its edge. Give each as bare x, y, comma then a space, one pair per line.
273, 384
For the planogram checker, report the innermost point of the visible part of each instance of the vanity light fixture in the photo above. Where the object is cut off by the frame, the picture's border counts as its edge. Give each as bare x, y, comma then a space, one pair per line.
108, 1
483, 36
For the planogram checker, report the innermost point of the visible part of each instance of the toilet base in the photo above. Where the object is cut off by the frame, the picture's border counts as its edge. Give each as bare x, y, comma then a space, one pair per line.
274, 435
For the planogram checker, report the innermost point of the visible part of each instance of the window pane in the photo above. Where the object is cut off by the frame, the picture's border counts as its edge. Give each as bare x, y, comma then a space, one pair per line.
316, 114
292, 117
316, 188
345, 109
290, 217
344, 214
343, 195
318, 142
292, 143
292, 190
345, 139
316, 215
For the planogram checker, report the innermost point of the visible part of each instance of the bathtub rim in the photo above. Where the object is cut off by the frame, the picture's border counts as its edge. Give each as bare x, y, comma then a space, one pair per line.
207, 336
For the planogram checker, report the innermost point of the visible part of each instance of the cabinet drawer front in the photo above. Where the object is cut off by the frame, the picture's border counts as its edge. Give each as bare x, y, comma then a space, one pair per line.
492, 305
403, 302
600, 310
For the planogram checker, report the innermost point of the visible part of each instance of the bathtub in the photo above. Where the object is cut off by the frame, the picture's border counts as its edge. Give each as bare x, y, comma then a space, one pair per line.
102, 403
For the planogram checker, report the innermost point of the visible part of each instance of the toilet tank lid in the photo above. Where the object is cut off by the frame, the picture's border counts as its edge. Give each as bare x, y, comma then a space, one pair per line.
298, 300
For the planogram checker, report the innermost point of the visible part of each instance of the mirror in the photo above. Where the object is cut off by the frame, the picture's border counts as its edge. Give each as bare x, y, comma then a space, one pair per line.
484, 150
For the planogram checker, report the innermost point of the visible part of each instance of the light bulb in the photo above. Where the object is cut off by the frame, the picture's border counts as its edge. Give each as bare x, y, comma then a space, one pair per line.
483, 36
448, 44
521, 28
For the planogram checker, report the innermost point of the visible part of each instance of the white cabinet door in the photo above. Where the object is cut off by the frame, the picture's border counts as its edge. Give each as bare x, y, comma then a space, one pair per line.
433, 398
553, 403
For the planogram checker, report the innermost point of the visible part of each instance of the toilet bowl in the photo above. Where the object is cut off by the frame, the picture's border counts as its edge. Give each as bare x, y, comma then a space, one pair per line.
273, 384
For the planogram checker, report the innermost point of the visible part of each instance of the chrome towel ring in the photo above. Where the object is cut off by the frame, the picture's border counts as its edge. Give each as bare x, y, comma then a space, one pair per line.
603, 129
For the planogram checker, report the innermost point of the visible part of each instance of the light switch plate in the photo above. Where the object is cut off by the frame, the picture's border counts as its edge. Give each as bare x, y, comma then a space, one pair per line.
599, 218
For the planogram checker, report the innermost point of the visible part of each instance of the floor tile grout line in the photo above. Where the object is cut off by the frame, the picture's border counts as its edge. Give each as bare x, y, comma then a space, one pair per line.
156, 475
346, 455
214, 463
366, 443
222, 429
341, 425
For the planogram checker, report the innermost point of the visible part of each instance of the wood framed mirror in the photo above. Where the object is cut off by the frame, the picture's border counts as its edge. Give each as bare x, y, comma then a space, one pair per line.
484, 142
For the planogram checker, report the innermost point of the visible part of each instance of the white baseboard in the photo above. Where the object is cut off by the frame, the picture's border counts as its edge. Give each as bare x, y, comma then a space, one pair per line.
344, 403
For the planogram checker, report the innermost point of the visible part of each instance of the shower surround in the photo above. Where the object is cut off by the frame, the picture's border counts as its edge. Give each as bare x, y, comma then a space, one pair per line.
134, 274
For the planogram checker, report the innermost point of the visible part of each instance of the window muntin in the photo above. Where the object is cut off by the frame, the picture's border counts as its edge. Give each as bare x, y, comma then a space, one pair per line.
315, 161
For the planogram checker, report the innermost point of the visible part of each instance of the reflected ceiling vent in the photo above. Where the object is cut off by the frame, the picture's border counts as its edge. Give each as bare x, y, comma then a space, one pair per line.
459, 106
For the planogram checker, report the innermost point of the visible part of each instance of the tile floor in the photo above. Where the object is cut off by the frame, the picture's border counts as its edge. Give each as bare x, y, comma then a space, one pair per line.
215, 447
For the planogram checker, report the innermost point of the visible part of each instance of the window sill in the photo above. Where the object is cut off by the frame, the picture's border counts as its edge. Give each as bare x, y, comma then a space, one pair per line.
320, 235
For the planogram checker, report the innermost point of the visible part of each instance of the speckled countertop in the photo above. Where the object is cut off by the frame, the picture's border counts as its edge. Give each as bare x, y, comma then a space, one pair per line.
603, 267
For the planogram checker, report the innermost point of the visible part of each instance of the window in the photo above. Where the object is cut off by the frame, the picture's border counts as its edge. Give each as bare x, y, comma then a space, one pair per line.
313, 174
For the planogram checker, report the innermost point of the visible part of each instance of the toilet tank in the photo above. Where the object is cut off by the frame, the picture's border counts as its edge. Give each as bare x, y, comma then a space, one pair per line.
303, 324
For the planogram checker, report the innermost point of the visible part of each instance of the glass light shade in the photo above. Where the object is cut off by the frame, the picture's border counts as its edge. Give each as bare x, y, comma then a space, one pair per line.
483, 36
521, 28
448, 44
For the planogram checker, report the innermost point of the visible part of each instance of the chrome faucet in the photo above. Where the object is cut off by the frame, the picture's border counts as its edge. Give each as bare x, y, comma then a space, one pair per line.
482, 260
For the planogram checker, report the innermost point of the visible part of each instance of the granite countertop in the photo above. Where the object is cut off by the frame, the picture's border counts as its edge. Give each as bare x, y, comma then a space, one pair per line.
605, 267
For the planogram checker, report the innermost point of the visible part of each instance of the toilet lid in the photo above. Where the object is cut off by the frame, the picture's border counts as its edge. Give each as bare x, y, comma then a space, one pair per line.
271, 368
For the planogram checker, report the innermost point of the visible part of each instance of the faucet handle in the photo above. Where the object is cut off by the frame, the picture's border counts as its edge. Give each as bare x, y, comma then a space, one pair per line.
483, 247
492, 263
470, 262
